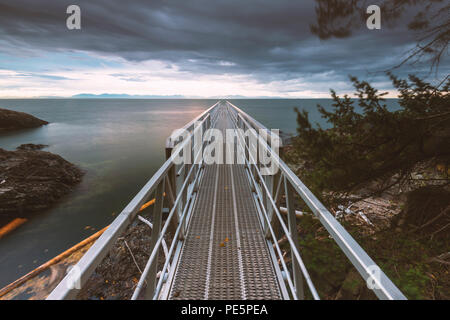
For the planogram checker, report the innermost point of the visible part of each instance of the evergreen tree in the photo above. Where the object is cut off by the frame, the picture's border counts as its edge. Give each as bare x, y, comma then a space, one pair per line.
367, 142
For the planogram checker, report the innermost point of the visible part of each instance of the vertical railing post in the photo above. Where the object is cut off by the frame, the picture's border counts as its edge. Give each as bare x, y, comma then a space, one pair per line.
171, 173
179, 183
269, 181
208, 122
171, 177
277, 185
292, 223
183, 200
247, 150
157, 222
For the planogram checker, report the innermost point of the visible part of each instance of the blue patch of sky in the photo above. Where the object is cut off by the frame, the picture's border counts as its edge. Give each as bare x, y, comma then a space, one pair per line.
54, 61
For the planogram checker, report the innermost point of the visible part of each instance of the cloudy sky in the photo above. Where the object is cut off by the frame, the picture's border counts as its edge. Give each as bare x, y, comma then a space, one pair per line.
195, 48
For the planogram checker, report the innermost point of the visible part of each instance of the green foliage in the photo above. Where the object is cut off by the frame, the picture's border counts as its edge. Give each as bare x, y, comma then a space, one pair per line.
404, 258
414, 282
407, 261
326, 263
367, 141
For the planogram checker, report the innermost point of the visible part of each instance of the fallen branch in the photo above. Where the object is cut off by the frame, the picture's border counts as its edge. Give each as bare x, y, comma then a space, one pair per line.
441, 258
132, 256
443, 213
11, 226
164, 244
63, 255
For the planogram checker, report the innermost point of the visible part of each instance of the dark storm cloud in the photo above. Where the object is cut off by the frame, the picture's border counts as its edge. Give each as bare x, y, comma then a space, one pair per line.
270, 40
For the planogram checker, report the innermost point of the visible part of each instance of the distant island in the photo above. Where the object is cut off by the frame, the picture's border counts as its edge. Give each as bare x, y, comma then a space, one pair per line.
177, 96
123, 96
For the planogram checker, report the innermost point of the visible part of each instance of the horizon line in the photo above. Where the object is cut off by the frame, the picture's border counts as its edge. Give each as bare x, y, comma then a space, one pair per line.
84, 96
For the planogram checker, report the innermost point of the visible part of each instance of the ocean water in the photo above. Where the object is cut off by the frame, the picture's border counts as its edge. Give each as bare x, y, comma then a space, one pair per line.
119, 143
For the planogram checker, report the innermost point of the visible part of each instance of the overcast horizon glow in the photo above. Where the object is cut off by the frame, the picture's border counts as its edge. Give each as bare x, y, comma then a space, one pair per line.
195, 49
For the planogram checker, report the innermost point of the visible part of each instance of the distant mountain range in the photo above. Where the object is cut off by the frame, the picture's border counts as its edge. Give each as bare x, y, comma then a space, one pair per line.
123, 96
131, 96
128, 96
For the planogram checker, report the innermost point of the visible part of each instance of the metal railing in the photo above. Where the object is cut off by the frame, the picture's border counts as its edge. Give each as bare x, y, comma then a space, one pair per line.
269, 190
179, 184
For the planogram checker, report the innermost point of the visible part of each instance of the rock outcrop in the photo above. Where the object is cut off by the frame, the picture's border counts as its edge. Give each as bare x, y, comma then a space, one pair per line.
13, 120
33, 180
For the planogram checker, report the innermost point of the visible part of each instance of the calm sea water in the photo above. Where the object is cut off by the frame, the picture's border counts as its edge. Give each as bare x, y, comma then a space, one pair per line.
119, 143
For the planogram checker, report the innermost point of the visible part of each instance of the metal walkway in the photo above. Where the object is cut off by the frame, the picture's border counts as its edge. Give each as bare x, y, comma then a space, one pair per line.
225, 255
226, 220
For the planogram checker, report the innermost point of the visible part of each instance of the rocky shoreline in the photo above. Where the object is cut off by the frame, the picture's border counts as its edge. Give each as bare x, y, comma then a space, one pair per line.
14, 120
31, 180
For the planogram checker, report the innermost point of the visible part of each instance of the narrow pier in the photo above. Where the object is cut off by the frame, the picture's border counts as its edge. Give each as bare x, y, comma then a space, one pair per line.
225, 222
225, 255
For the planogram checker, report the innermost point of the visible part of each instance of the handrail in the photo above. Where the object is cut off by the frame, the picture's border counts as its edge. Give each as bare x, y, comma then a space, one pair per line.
92, 258
251, 161
383, 286
172, 212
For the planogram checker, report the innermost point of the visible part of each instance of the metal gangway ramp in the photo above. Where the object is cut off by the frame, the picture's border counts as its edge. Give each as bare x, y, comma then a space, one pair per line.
225, 255
225, 221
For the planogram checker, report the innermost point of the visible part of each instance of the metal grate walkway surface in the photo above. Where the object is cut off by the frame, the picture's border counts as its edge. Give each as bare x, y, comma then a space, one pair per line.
225, 254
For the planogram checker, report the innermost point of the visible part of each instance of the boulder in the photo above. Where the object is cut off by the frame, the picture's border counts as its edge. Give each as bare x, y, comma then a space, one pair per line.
33, 180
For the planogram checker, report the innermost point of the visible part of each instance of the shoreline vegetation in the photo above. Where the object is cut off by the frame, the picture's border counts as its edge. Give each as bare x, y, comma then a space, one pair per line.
385, 175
